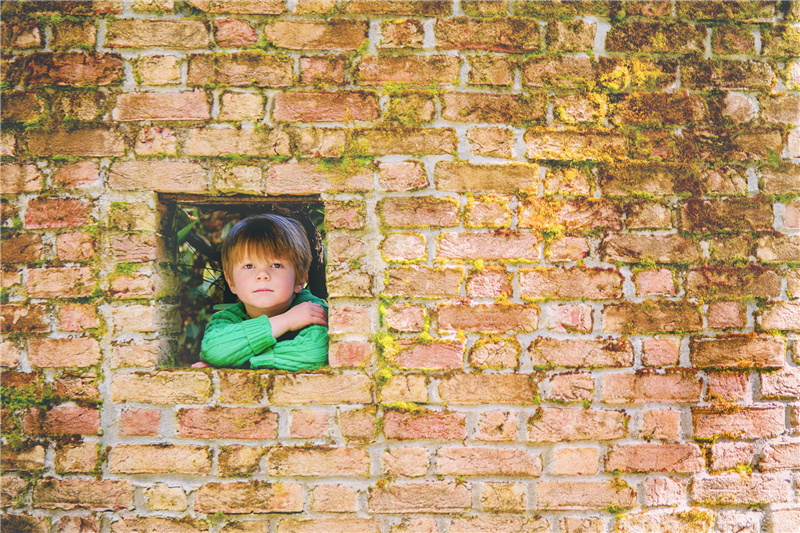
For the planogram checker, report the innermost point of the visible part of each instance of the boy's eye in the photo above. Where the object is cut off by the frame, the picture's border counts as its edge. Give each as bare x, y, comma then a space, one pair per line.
248, 266
277, 265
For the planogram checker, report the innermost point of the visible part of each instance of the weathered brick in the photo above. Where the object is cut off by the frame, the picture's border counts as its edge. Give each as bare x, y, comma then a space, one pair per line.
646, 178
501, 245
25, 459
249, 497
227, 422
578, 495
25, 318
662, 522
251, 67
727, 75
510, 34
731, 282
556, 425
75, 246
491, 282
785, 178
159, 459
239, 461
78, 143
401, 33
309, 424
400, 141
21, 34
585, 214
652, 317
571, 387
317, 461
473, 461
737, 351
322, 69
419, 211
441, 497
54, 353
488, 317
431, 8
784, 521
401, 388
575, 145
664, 37
726, 489
411, 70
780, 456
20, 178
75, 69
68, 494
424, 282
678, 457
192, 105
655, 282
139, 422
660, 424
428, 355
349, 318
66, 282
403, 176
461, 176
783, 316
227, 142
317, 388
63, 420
503, 497
310, 178
581, 353
406, 461
404, 247
336, 34
334, 499
495, 524
559, 72
490, 70
497, 426
21, 106
484, 388
740, 422
161, 387
734, 145
22, 248
566, 249
778, 248
158, 70
780, 40
329, 525
146, 33
24, 522
247, 7
232, 32
658, 109
492, 142
574, 461
424, 424
494, 108
726, 455
359, 425
681, 387
748, 215
571, 283
325, 106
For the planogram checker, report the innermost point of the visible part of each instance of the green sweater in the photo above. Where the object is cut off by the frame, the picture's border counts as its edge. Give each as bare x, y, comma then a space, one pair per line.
233, 339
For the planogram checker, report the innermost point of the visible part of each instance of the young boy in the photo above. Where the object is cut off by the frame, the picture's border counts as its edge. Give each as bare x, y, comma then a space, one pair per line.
276, 324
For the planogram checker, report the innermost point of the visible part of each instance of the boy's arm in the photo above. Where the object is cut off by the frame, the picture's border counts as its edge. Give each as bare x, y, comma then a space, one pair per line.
231, 341
308, 350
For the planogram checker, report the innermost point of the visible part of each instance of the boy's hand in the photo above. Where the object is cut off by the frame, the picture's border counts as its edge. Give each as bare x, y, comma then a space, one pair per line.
201, 364
298, 317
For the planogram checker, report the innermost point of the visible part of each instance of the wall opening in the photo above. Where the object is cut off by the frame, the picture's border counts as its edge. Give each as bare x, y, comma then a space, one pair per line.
194, 229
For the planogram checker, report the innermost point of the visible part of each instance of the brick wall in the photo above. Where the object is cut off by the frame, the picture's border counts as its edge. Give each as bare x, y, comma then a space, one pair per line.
563, 240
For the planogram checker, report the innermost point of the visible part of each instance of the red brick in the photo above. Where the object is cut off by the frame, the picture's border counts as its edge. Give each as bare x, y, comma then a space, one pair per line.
317, 461
227, 422
249, 497
441, 497
423, 282
681, 387
25, 318
349, 353
728, 386
496, 246
161, 387
191, 105
358, 425
660, 109
473, 461
462, 176
509, 34
574, 145
310, 178
570, 36
632, 248
734, 214
446, 355
588, 214
581, 353
431, 8
57, 213
233, 32
328, 525
412, 70
159, 459
489, 318
336, 34
494, 108
571, 387
419, 211
251, 67
491, 282
678, 457
334, 389
424, 424
55, 353
22, 248
579, 495
20, 34
309, 424
63, 420
326, 107
574, 461
497, 426
69, 494
737, 489
20, 178
404, 247
655, 282
784, 384
652, 317
778, 248
566, 249
400, 141
75, 69
78, 143
163, 176
248, 7
660, 424
762, 421
780, 456
322, 69
239, 386
147, 33
780, 40
401, 33
483, 388
737, 351
559, 72
27, 459
557, 425
345, 318
783, 316
648, 215
571, 283
348, 214
75, 246
406, 461
66, 282
139, 422
236, 461
403, 176
726, 455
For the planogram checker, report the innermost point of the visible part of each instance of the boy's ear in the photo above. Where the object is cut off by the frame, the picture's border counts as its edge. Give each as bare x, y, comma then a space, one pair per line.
300, 283
229, 282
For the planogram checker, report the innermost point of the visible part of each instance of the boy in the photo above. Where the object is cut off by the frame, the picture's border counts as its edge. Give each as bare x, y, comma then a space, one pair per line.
276, 324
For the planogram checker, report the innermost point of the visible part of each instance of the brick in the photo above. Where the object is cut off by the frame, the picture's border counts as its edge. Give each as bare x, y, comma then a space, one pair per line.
156, 140
402, 176
579, 495
509, 35
135, 248
441, 497
139, 422
503, 497
728, 75
78, 143
668, 388
784, 384
167, 525
573, 108
411, 70
418, 141
737, 489
75, 69
571, 387
655, 283
57, 213
424, 424
744, 144
239, 461
21, 106
161, 387
497, 524
158, 70
239, 386
13, 490
492, 142
784, 521
22, 248
570, 36
581, 353
350, 318
329, 525
404, 247
460, 176
662, 522
20, 178
497, 246
75, 246
67, 282
358, 425
55, 353
558, 425
748, 215
343, 248
738, 11
402, 317
644, 109
20, 34
489, 318
24, 460
652, 317
146, 33
484, 388
432, 8
423, 282
9, 354
249, 497
497, 426
586, 214
566, 249
329, 390
737, 351
730, 455
780, 40
192, 105
663, 37
334, 499
778, 249
491, 282
490, 70
250, 67
419, 211
63, 420
400, 388
350, 354
399, 34
571, 283
741, 422
559, 72
494, 108
350, 284
233, 32
336, 34
678, 457
446, 355
25, 318
227, 422
740, 108
574, 461
781, 456
783, 316
81, 524
728, 386
68, 494
241, 106
317, 461
574, 145
322, 69
781, 109
248, 7
783, 179
308, 178
220, 142
309, 424
646, 178
663, 491
660, 424
471, 461
325, 106
730, 282
159, 459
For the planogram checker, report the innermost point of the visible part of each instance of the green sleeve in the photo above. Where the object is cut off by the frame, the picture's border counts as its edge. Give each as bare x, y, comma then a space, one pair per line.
231, 338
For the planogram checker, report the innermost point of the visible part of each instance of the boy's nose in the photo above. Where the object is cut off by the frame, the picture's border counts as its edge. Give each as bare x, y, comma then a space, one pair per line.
263, 273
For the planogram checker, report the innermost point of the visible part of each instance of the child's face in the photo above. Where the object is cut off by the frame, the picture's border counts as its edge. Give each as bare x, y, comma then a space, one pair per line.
266, 286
